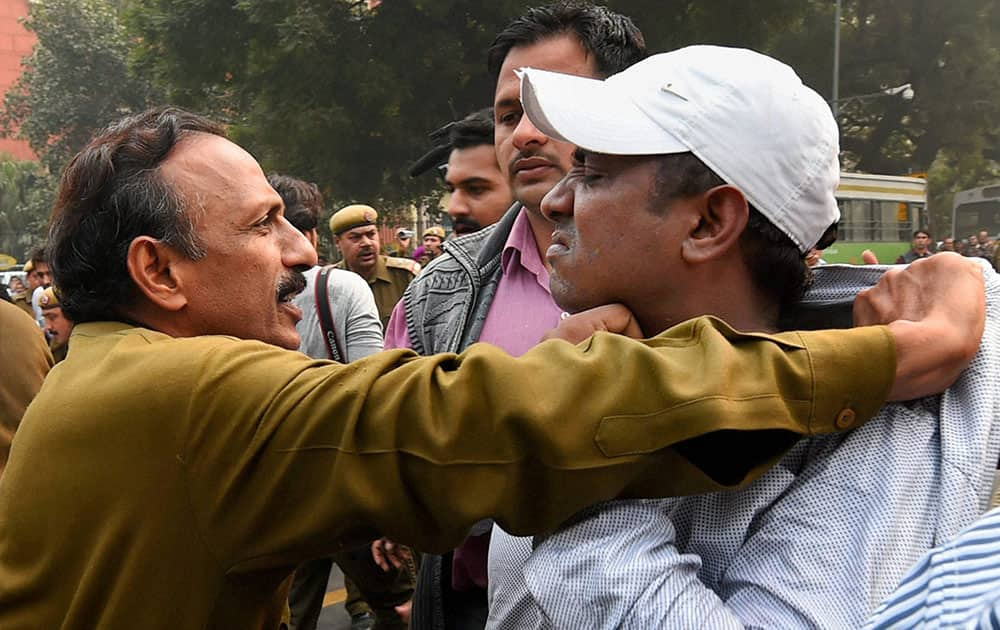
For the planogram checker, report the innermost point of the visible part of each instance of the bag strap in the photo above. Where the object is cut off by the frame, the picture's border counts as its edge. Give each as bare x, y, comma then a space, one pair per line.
325, 317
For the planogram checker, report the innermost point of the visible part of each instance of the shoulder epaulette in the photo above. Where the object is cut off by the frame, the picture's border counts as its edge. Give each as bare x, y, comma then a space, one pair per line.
402, 263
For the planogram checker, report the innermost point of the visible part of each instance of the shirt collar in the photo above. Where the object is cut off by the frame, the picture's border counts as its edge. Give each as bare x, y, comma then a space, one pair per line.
521, 250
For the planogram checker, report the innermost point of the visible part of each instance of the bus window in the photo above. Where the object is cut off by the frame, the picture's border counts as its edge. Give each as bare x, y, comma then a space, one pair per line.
970, 218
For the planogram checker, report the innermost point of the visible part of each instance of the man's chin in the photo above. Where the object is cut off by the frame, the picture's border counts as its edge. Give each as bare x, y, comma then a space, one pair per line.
530, 195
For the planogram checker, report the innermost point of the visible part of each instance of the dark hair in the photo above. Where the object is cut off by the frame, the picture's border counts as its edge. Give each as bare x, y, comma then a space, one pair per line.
917, 233
303, 201
111, 193
474, 130
613, 39
37, 255
776, 264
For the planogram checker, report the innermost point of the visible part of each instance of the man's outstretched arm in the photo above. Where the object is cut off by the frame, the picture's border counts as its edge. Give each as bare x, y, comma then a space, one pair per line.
528, 440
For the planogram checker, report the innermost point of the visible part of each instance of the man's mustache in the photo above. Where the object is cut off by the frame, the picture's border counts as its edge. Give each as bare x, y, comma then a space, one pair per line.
465, 225
290, 285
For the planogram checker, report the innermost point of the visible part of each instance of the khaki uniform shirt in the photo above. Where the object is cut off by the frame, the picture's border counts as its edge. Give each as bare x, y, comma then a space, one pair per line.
23, 301
24, 362
392, 276
160, 482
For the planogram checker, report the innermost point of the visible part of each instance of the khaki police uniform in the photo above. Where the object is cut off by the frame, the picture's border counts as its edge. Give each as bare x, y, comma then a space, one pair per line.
23, 301
49, 300
189, 468
392, 275
24, 362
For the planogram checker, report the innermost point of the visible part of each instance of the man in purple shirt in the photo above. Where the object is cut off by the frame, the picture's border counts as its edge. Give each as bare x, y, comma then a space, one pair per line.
493, 285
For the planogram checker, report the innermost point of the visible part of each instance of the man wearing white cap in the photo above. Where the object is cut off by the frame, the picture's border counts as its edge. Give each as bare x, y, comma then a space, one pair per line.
717, 168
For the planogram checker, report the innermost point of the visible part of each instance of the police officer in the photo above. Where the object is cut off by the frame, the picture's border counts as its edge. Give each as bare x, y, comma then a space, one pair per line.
22, 299
57, 326
357, 238
433, 238
402, 246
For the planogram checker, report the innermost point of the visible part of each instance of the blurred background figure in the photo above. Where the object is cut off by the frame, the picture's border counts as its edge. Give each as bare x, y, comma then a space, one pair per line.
422, 256
985, 246
480, 192
432, 240
356, 236
402, 245
921, 248
39, 279
57, 326
19, 295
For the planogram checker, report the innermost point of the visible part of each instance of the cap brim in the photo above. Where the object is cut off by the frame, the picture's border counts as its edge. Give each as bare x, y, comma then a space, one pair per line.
592, 114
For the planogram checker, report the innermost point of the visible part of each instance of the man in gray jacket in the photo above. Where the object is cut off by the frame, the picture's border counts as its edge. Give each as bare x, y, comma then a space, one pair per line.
493, 285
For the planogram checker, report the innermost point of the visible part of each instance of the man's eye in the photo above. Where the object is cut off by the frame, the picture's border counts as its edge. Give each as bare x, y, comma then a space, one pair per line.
266, 222
510, 118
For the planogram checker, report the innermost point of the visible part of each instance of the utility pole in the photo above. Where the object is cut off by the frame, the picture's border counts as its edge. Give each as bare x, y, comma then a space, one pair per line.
836, 60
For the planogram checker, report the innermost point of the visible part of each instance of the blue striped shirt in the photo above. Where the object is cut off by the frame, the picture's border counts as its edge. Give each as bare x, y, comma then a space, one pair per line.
956, 585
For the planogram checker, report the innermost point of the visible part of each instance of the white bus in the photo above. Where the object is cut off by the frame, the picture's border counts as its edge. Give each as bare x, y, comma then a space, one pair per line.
975, 210
877, 212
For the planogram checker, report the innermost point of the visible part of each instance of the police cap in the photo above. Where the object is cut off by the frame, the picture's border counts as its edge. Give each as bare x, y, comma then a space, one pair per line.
436, 230
49, 299
350, 217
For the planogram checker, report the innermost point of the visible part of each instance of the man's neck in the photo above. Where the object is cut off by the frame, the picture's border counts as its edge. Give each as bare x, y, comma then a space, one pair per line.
726, 292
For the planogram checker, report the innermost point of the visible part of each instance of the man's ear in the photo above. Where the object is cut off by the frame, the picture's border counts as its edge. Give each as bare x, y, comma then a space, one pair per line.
723, 213
151, 263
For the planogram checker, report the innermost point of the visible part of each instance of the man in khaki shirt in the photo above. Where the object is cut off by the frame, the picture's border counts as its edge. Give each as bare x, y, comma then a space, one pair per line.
166, 474
24, 362
357, 239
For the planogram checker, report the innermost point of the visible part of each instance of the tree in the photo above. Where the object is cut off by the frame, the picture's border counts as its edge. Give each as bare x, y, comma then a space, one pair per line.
76, 80
326, 90
25, 199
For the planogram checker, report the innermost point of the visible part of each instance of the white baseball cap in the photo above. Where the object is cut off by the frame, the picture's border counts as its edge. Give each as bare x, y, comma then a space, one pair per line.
747, 116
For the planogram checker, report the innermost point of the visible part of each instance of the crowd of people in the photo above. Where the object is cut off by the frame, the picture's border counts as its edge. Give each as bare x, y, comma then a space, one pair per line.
714, 447
979, 245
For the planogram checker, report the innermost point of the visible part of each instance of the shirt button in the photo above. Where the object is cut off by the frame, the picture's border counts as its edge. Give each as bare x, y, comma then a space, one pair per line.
845, 419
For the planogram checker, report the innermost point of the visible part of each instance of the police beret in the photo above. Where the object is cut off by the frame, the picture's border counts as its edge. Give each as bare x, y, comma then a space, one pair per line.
49, 299
29, 266
350, 217
437, 231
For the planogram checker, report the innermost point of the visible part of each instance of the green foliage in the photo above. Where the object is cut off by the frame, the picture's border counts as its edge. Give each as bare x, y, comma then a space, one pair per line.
75, 82
325, 90
26, 194
331, 92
